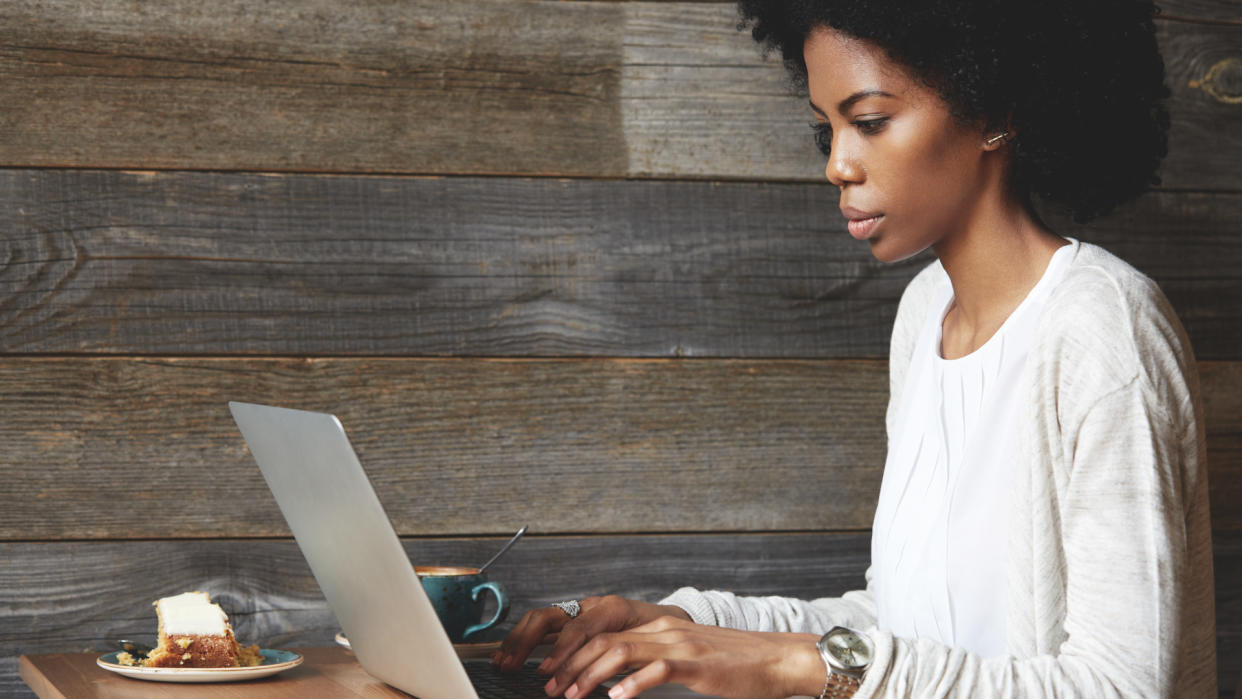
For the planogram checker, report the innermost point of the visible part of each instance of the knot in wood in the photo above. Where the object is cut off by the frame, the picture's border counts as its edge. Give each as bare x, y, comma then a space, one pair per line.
1223, 81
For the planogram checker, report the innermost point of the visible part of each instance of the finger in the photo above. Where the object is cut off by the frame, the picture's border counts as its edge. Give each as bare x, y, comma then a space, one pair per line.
529, 632
572, 636
599, 659
624, 649
597, 617
543, 622
513, 639
652, 675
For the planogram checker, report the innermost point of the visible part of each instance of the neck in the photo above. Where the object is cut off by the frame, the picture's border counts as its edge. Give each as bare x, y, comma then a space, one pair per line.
995, 259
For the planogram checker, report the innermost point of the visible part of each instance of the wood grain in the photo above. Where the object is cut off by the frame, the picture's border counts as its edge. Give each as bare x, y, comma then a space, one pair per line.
103, 448
594, 89
36, 682
480, 86
1203, 68
210, 263
1222, 406
698, 99
97, 448
1227, 559
1227, 11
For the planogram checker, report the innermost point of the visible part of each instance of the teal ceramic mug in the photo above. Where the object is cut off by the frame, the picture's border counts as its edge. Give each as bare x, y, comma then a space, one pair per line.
458, 594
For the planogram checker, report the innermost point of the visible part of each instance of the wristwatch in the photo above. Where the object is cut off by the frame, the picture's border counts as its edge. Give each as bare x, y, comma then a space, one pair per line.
847, 654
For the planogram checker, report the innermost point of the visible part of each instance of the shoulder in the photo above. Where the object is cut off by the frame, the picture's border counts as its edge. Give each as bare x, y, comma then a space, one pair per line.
1108, 279
1104, 306
1107, 325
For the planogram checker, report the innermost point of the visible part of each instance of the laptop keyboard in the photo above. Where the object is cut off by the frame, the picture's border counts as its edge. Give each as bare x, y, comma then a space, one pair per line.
491, 683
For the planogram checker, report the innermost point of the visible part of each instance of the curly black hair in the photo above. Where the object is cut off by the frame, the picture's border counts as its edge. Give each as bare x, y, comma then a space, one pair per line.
1081, 81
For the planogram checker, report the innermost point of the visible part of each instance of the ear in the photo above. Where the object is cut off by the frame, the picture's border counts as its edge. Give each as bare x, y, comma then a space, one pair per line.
998, 140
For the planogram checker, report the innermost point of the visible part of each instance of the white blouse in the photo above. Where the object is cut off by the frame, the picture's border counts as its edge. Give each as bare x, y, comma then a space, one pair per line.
941, 524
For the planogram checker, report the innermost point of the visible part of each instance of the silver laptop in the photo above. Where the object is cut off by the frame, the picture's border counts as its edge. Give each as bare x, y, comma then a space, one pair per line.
364, 572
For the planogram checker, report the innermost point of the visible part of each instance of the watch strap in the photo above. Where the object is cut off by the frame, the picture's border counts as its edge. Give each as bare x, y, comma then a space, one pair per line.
838, 686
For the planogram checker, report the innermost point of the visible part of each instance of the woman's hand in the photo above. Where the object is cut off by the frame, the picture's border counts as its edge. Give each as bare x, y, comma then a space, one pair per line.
708, 659
551, 625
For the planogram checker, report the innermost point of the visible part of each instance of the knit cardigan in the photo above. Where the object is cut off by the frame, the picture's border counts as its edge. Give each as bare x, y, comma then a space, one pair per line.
1109, 587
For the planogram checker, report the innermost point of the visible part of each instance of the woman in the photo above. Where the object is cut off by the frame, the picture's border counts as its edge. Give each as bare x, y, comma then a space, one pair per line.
1042, 526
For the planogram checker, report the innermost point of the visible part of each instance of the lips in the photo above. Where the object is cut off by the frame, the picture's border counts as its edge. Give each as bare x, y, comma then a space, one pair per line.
861, 223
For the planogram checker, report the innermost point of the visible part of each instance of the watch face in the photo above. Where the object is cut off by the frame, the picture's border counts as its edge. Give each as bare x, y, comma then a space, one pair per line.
848, 648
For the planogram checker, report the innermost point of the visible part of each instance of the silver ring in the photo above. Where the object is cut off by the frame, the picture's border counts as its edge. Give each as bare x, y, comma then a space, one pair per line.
570, 607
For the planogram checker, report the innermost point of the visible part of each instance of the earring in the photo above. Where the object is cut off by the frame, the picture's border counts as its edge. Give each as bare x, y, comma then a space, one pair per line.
998, 137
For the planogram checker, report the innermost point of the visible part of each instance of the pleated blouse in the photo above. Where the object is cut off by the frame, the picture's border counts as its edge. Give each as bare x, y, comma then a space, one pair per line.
941, 526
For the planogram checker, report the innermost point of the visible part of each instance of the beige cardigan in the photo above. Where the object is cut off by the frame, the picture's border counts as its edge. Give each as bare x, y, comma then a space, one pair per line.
1110, 589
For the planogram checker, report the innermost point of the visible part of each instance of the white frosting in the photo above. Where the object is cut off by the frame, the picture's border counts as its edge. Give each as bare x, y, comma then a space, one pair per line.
191, 613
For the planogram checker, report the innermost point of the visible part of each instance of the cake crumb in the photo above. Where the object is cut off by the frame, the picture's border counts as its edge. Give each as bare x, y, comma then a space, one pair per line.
124, 658
187, 656
184, 642
249, 656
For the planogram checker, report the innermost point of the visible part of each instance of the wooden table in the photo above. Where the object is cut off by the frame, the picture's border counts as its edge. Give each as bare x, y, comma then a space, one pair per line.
325, 672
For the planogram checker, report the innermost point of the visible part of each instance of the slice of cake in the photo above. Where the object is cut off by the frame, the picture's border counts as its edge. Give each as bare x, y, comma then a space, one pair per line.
194, 632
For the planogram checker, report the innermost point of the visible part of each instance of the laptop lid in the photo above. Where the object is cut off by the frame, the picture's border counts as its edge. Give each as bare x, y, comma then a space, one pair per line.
352, 550
355, 555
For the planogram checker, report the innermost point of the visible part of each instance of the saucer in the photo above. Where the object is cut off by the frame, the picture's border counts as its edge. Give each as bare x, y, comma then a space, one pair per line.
274, 661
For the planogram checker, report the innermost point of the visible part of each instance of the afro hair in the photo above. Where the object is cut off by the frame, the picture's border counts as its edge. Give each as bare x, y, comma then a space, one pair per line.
1081, 82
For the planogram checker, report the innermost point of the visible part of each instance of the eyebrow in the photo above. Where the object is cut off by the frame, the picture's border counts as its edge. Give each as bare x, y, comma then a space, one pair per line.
850, 101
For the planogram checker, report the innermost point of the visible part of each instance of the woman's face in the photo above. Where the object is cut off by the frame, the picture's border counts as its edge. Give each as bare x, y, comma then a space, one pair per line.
910, 175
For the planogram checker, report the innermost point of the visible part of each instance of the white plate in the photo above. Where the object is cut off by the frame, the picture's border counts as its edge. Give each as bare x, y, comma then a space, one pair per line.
274, 661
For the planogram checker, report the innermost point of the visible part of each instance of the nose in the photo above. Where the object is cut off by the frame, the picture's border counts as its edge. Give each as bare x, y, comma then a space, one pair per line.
842, 167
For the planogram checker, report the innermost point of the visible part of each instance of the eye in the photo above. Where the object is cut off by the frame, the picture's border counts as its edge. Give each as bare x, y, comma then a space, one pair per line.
823, 137
871, 126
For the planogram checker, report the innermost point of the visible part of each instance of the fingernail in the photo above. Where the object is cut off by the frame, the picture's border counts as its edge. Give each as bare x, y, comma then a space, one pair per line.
616, 691
550, 687
572, 692
543, 667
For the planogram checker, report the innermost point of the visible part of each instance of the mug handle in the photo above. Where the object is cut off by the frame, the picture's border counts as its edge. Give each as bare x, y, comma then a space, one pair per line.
502, 606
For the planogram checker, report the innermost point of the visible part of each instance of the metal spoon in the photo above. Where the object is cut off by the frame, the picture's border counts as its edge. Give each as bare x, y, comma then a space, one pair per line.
504, 548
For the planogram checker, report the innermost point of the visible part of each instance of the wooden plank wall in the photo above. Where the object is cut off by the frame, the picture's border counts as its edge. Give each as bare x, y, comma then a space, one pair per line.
565, 264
